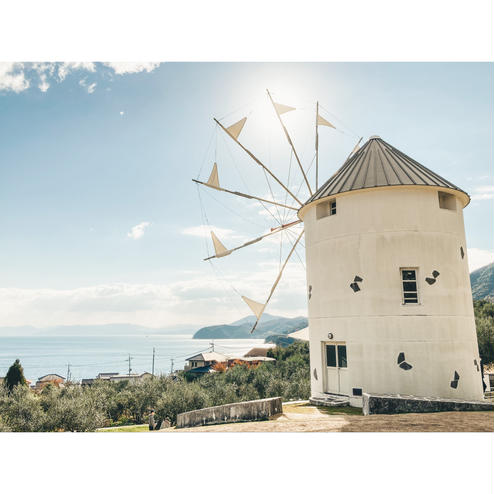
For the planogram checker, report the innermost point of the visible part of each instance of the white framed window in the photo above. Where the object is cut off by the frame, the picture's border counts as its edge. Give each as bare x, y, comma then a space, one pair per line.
409, 285
327, 208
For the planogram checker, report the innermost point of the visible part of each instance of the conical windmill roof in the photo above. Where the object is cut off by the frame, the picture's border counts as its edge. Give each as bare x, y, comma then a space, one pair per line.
378, 164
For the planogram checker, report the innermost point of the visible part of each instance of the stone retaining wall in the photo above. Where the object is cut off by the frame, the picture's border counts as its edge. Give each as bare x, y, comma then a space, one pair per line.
244, 411
382, 404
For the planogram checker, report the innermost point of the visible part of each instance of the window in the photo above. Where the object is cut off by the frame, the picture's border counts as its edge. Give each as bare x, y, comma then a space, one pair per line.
332, 351
409, 285
327, 208
342, 356
447, 201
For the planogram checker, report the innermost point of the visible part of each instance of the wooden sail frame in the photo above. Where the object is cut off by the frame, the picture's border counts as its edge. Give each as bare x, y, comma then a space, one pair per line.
227, 252
290, 142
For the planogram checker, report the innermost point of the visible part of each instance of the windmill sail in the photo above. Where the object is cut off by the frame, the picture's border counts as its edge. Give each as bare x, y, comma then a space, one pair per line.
219, 248
213, 180
256, 307
323, 121
235, 129
282, 108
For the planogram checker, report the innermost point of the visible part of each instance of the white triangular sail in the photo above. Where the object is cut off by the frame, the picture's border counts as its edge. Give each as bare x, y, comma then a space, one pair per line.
219, 248
323, 121
256, 307
213, 180
283, 108
235, 129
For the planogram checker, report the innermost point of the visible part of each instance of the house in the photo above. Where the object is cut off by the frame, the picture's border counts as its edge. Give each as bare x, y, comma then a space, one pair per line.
259, 351
116, 377
205, 359
54, 379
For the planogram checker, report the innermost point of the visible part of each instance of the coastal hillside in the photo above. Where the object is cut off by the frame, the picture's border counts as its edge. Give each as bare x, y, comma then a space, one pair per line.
482, 281
269, 325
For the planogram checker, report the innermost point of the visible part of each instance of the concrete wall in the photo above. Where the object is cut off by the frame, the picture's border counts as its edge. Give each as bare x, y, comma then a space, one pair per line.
375, 233
373, 404
234, 412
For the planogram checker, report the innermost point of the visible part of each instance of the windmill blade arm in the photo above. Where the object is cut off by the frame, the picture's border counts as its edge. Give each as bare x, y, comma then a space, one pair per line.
258, 239
273, 288
242, 194
260, 163
287, 135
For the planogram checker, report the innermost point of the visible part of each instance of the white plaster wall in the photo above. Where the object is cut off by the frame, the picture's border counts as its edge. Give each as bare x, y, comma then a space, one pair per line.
375, 233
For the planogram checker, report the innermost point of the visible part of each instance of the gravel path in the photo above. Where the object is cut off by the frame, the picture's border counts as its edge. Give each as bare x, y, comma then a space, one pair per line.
306, 418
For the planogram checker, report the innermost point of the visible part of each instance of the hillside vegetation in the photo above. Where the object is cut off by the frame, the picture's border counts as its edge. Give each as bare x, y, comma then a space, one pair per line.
482, 281
269, 325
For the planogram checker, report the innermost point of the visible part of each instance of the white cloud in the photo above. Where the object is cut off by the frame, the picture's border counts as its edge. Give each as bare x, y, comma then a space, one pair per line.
138, 230
131, 67
18, 77
44, 85
12, 77
200, 299
122, 113
478, 258
483, 193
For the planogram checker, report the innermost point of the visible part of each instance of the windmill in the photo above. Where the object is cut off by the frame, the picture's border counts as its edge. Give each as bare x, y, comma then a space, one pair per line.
233, 131
389, 297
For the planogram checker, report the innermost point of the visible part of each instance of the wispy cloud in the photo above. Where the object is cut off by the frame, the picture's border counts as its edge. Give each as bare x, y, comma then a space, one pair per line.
483, 193
137, 231
17, 77
131, 67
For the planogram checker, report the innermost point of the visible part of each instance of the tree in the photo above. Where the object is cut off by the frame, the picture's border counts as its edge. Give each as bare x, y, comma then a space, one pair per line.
15, 376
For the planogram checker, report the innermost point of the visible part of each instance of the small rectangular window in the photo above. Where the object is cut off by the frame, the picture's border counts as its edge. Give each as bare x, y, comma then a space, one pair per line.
327, 208
447, 201
330, 355
409, 285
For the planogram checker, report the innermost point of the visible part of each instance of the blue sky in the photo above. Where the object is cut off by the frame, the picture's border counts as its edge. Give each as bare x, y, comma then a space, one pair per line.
101, 222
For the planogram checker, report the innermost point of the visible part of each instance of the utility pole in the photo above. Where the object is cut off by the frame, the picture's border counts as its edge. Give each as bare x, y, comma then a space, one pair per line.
152, 372
68, 372
211, 344
171, 369
130, 360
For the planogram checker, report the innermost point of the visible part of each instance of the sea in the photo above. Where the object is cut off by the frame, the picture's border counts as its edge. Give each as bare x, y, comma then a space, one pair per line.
86, 356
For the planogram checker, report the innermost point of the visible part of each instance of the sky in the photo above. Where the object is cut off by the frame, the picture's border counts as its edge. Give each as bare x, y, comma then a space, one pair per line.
102, 224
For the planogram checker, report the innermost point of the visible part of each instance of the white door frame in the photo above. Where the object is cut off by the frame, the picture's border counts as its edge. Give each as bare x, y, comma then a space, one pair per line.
338, 371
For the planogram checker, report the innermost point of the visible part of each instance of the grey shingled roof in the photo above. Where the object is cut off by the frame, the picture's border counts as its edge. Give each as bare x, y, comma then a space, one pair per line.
378, 164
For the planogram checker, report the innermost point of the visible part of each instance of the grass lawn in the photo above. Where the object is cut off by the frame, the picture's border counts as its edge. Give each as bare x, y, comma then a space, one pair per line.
126, 428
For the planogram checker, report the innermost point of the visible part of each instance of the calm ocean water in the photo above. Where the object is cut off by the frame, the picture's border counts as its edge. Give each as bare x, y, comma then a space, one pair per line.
89, 355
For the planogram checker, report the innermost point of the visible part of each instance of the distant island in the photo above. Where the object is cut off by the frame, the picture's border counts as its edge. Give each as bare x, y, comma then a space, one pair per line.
268, 326
482, 281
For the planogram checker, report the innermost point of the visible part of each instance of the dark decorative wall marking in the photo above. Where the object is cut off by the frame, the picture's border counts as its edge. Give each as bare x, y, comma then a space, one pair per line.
462, 252
315, 373
431, 281
454, 382
476, 364
401, 362
355, 285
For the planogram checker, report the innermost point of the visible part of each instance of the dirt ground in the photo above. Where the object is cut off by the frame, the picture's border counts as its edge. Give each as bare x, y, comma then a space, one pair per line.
306, 418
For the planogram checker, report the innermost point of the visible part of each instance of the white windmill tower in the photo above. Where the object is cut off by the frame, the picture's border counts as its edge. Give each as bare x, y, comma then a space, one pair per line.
389, 296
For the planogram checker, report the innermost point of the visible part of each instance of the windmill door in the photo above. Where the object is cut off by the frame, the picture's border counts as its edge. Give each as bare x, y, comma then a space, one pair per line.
336, 368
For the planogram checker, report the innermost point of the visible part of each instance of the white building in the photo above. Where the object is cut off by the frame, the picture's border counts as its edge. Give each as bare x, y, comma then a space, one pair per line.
390, 303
